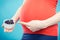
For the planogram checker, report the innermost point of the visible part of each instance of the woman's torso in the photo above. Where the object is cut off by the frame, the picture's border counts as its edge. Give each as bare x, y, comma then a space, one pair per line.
39, 10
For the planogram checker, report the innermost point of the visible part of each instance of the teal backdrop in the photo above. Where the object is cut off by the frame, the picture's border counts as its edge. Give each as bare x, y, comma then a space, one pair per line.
7, 10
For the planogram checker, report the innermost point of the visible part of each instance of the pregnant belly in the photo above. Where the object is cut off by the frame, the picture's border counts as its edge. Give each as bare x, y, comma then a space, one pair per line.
38, 12
26, 17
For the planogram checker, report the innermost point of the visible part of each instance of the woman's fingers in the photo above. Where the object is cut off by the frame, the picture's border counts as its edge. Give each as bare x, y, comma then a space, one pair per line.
8, 30
24, 23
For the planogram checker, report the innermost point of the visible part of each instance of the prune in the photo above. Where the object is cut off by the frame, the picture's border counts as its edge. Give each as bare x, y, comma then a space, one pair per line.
11, 22
7, 22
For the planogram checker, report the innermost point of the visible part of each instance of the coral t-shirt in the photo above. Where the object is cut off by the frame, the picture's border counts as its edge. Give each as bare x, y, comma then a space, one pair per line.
39, 10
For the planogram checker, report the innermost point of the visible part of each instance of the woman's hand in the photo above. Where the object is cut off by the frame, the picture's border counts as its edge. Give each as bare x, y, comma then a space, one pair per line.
35, 25
8, 25
8, 30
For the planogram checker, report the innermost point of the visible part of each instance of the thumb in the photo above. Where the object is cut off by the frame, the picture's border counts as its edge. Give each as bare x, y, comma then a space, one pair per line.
2, 25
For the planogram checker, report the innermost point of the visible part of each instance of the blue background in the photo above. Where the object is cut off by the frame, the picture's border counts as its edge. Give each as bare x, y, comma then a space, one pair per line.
7, 10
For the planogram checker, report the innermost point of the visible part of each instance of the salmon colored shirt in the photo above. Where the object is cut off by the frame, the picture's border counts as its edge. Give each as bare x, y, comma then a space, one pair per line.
39, 10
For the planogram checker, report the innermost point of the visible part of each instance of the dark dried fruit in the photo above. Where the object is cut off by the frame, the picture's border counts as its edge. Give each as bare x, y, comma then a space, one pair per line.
9, 22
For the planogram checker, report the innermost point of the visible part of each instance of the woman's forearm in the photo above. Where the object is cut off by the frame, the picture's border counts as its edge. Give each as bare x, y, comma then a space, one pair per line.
15, 18
53, 20
17, 15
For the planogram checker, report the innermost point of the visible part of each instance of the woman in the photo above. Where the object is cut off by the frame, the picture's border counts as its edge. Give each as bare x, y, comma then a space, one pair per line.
37, 10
